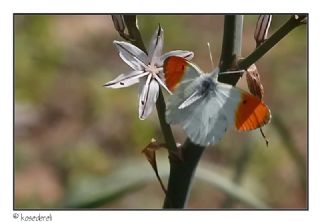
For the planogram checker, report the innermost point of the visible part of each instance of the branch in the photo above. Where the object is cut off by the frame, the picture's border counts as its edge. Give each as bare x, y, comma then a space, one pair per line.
181, 174
166, 129
231, 47
292, 23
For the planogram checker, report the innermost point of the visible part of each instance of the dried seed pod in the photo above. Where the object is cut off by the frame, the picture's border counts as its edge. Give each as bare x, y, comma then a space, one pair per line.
256, 88
254, 82
262, 28
150, 153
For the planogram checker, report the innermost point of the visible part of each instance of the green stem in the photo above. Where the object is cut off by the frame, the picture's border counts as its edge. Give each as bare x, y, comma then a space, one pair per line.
166, 129
181, 174
134, 33
231, 46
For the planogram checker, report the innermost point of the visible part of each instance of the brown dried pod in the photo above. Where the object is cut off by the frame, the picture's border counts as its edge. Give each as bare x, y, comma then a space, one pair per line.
256, 88
253, 80
150, 153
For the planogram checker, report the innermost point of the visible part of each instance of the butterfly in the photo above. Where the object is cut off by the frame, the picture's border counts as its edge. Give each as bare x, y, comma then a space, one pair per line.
205, 107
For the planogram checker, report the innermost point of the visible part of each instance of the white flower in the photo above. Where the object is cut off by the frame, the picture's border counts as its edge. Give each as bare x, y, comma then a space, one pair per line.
148, 70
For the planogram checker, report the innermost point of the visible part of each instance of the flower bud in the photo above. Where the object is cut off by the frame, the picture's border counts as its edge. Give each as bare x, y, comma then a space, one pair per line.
118, 23
262, 28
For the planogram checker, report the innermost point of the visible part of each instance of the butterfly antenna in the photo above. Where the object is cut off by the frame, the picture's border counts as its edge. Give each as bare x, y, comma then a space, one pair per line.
212, 64
232, 72
264, 137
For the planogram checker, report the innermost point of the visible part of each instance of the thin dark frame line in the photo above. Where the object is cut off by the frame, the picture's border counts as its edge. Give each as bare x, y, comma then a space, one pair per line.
164, 13
133, 209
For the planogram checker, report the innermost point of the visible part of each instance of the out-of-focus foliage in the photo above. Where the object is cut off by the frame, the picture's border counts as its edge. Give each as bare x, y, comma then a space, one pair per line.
70, 130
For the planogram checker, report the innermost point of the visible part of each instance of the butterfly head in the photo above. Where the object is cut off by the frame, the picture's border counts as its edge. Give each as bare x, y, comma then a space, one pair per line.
206, 84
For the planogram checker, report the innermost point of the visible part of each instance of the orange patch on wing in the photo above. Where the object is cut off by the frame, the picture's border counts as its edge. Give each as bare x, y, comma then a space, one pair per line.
174, 69
251, 113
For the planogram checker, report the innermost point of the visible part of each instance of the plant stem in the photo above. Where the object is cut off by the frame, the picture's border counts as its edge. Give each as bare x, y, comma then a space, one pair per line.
166, 129
231, 46
134, 33
136, 39
231, 52
181, 174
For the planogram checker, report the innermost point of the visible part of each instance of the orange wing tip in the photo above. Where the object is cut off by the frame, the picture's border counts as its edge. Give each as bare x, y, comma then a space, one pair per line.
174, 68
252, 113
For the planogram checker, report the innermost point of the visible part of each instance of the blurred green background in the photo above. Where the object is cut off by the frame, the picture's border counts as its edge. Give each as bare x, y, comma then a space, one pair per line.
78, 144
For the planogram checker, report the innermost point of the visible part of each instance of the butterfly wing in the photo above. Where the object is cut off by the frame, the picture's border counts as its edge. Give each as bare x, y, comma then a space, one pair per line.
206, 114
199, 113
181, 77
204, 120
243, 110
178, 70
207, 119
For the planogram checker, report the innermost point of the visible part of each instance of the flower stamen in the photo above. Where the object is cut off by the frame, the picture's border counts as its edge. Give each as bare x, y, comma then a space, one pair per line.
161, 83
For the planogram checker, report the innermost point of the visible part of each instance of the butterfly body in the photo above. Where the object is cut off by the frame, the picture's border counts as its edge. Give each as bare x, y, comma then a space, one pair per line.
205, 107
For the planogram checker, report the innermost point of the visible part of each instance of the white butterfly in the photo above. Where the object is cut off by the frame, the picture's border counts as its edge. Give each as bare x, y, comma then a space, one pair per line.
205, 107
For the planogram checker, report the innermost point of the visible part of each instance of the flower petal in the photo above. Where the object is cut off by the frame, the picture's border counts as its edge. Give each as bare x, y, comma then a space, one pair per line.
125, 80
156, 45
127, 52
161, 82
180, 53
148, 97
